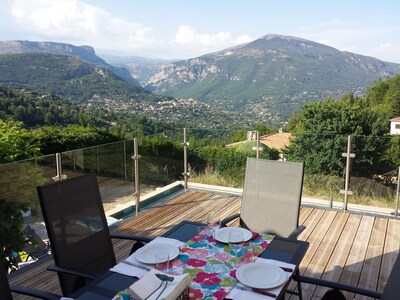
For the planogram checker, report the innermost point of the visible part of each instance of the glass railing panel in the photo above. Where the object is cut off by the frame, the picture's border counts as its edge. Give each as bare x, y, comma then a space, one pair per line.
160, 163
324, 166
219, 159
19, 179
18, 182
104, 160
113, 165
373, 172
217, 166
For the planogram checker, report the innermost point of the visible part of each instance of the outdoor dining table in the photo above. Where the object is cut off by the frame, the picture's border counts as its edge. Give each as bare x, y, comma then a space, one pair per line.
109, 284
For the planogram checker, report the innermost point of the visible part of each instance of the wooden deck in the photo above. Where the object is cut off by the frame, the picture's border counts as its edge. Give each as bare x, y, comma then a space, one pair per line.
350, 248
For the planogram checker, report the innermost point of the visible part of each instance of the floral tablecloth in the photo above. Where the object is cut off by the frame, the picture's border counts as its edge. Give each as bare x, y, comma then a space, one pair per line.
211, 265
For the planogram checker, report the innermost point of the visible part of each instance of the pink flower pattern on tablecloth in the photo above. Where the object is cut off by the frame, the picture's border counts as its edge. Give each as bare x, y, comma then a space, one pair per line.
210, 265
208, 279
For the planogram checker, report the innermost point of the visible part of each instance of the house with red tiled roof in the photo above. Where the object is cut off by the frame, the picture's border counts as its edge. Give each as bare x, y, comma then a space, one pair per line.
279, 140
395, 126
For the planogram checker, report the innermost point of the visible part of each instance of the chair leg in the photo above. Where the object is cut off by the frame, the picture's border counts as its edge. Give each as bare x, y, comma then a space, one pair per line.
299, 286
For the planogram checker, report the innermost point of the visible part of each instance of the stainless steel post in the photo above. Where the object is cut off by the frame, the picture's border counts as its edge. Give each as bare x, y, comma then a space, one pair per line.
59, 175
137, 181
396, 212
258, 144
348, 156
97, 160
185, 160
125, 163
257, 148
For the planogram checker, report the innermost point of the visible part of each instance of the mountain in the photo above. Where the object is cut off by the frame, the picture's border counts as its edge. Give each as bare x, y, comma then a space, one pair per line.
95, 87
84, 53
67, 77
140, 68
270, 77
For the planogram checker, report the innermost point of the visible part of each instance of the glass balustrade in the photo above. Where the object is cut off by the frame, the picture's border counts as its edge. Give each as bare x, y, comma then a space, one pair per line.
370, 174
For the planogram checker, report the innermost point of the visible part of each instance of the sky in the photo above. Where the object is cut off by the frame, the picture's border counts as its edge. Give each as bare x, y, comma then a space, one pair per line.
181, 29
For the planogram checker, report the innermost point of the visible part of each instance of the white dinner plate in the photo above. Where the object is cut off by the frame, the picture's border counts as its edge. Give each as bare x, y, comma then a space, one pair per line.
222, 234
261, 275
147, 254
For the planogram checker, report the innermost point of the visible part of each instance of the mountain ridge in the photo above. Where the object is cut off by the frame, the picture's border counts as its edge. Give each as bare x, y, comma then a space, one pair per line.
67, 77
84, 53
271, 76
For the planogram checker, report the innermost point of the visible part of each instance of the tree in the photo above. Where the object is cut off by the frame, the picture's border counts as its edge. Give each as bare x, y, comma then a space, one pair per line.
321, 137
16, 142
17, 185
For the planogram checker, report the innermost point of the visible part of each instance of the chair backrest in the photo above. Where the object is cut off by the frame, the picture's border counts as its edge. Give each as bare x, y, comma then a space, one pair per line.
77, 228
272, 196
5, 292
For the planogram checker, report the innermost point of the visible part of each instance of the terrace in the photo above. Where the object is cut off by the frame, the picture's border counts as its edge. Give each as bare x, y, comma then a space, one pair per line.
351, 241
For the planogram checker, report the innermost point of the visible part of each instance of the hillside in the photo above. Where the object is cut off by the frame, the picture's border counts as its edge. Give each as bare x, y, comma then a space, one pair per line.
271, 76
84, 53
66, 77
141, 68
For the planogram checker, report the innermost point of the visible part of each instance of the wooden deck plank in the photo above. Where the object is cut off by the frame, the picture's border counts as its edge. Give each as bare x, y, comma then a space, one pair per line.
371, 267
322, 248
354, 263
305, 212
336, 245
392, 246
339, 241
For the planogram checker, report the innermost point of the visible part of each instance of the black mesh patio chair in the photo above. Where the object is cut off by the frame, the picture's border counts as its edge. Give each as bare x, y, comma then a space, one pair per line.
6, 289
78, 232
271, 197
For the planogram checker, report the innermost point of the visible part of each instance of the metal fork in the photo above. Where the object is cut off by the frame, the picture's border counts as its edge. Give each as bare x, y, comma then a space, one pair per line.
255, 290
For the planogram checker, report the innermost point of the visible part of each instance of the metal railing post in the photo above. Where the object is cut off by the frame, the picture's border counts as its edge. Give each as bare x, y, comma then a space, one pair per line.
136, 157
185, 160
59, 175
97, 160
396, 212
258, 144
257, 148
74, 159
348, 156
125, 162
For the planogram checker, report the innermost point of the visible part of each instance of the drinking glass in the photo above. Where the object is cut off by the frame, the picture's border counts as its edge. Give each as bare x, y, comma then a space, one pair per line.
236, 240
162, 261
213, 222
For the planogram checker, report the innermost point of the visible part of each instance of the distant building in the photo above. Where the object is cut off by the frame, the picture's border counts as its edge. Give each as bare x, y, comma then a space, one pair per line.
395, 126
279, 140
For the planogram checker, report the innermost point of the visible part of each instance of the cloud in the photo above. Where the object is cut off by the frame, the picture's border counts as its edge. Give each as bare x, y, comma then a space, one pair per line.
243, 39
79, 23
188, 39
187, 35
75, 21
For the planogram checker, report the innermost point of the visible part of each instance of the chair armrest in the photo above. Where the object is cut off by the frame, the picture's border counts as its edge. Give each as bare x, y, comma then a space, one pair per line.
138, 238
86, 275
34, 293
337, 285
296, 232
229, 219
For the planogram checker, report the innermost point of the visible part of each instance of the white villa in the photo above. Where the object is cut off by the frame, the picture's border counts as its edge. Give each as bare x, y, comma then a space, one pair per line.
395, 126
